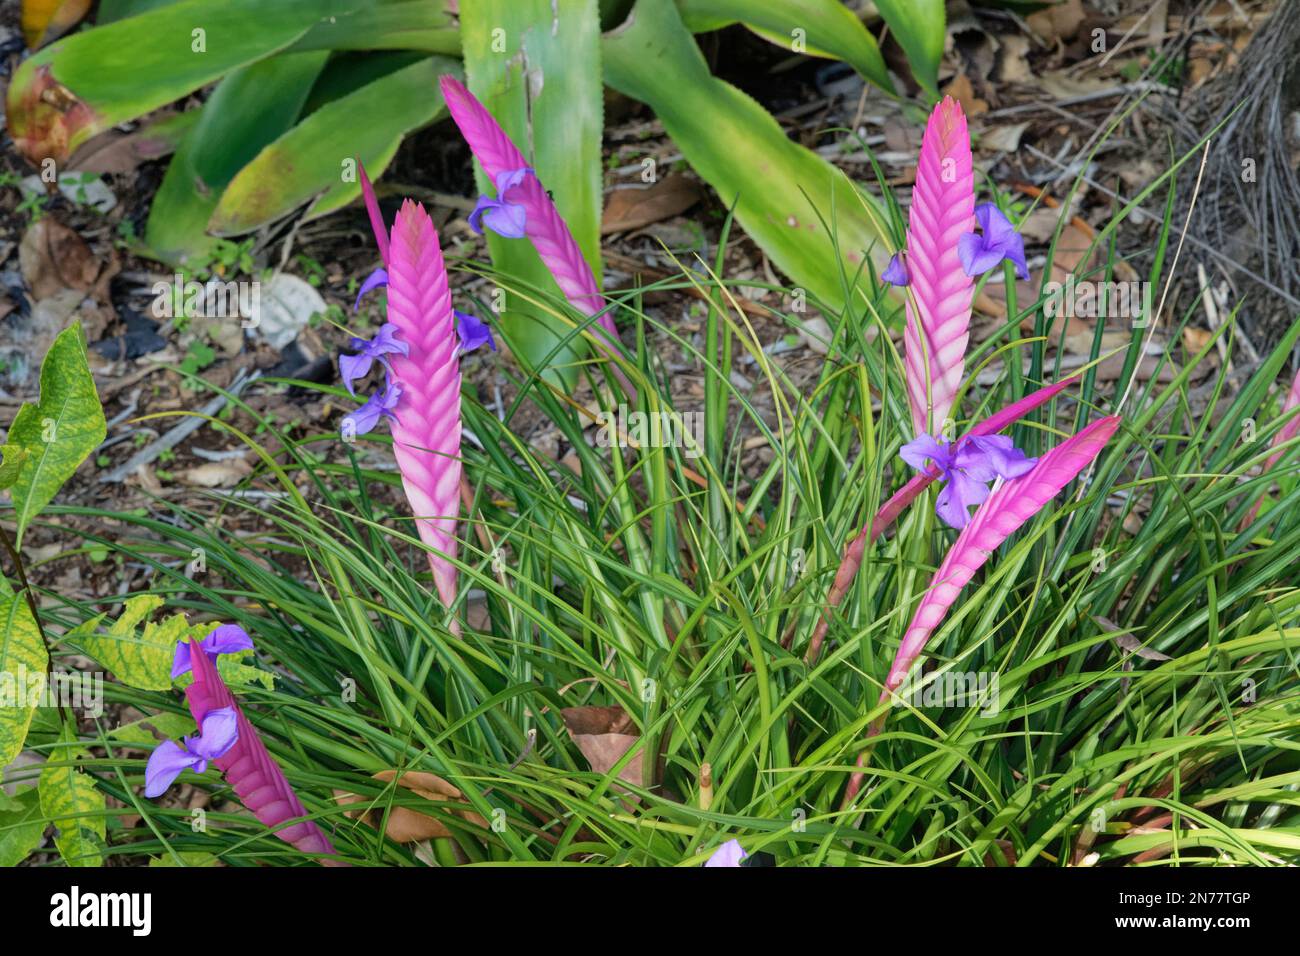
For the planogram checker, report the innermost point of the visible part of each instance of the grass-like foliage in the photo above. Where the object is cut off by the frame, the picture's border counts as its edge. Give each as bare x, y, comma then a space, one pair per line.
677, 588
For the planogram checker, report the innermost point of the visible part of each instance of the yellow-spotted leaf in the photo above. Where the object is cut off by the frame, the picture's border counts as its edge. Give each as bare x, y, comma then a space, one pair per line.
139, 656
43, 20
21, 825
22, 667
14, 456
58, 432
147, 731
72, 802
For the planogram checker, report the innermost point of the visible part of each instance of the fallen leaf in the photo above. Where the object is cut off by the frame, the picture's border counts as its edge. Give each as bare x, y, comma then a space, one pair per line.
405, 825
961, 90
1058, 22
1003, 139
280, 309
635, 208
217, 474
53, 258
604, 735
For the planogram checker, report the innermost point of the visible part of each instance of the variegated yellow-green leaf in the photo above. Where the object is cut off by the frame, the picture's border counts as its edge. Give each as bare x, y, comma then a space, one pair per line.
137, 656
535, 64
72, 802
14, 456
22, 666
787, 198
21, 825
58, 432
90, 81
817, 27
146, 731
315, 161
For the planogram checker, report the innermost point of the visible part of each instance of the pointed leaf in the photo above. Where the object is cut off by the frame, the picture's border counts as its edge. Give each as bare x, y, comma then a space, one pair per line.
88, 82
780, 188
310, 162
823, 28
22, 660
920, 28
58, 432
140, 658
72, 802
22, 824
250, 108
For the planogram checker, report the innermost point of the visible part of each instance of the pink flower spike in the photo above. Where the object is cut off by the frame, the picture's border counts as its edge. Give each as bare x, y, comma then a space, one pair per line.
248, 766
939, 306
543, 225
426, 428
372, 210
1008, 507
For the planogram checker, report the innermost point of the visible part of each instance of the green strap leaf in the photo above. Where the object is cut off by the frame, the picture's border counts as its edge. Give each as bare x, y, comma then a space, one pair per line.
23, 662
249, 109
920, 28
60, 431
536, 65
782, 191
90, 81
72, 802
316, 159
823, 28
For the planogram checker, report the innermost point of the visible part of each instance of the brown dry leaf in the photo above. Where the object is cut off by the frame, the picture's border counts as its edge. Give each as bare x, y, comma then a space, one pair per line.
54, 258
1060, 21
117, 152
636, 208
217, 474
1013, 62
405, 825
1196, 339
604, 735
1003, 139
961, 90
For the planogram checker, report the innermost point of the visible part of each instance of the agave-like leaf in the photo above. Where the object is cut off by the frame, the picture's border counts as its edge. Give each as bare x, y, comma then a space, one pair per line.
940, 293
249, 767
892, 508
1003, 512
545, 229
426, 431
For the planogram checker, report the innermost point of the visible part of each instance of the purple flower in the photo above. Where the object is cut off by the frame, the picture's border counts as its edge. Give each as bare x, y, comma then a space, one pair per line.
218, 734
896, 272
502, 216
353, 367
377, 405
373, 281
980, 253
729, 854
227, 639
474, 332
967, 467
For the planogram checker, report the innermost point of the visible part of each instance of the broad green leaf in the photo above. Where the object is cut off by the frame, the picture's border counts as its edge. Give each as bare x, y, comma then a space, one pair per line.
314, 161
58, 432
21, 825
535, 64
249, 109
824, 28
14, 456
72, 802
137, 656
428, 26
22, 661
113, 10
145, 731
88, 82
786, 196
920, 28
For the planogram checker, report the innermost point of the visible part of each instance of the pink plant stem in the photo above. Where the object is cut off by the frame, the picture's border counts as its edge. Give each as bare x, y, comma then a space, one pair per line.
891, 509
1286, 433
